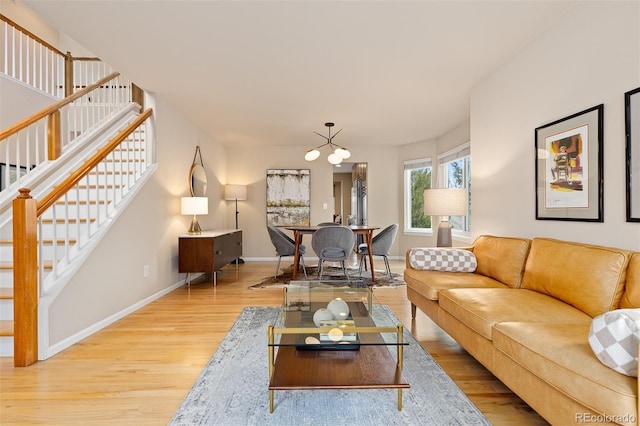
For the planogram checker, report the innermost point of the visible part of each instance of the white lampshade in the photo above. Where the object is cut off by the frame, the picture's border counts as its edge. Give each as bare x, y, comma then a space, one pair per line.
312, 155
195, 205
334, 158
235, 192
342, 152
445, 202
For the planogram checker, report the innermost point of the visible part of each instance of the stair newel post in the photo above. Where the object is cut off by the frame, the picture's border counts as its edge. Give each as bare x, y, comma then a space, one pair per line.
68, 74
25, 279
137, 95
53, 135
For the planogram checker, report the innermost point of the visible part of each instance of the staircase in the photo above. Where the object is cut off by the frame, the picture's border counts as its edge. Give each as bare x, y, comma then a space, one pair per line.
99, 154
73, 225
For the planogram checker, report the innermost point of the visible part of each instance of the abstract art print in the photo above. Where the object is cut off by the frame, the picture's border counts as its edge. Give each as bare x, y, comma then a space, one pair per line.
288, 197
569, 168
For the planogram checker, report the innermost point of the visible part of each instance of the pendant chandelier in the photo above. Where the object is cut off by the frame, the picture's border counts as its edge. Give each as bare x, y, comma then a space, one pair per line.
338, 153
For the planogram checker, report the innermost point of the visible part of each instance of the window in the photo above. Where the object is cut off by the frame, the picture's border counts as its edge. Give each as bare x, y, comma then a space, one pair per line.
455, 172
417, 178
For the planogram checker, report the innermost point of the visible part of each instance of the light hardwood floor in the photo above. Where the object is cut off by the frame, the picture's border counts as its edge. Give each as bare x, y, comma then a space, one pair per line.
138, 370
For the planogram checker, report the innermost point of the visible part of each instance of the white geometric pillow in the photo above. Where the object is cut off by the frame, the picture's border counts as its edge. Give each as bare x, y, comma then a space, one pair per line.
614, 338
438, 259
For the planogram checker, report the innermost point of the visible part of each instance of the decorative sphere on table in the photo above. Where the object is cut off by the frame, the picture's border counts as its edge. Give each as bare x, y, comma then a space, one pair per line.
335, 334
322, 314
339, 308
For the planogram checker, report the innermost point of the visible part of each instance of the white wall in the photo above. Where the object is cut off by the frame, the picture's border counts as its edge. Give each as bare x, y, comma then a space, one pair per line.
588, 57
19, 101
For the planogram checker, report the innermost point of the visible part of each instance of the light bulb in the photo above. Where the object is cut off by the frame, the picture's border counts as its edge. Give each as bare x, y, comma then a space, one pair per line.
342, 152
334, 158
312, 155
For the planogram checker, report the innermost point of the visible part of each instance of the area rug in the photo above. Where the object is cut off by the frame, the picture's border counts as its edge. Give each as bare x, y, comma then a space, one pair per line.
233, 389
332, 273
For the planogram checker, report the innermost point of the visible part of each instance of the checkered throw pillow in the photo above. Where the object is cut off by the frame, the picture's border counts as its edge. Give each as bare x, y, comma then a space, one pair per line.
614, 338
449, 260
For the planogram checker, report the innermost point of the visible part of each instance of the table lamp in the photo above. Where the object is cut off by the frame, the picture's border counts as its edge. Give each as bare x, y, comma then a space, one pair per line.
194, 206
444, 203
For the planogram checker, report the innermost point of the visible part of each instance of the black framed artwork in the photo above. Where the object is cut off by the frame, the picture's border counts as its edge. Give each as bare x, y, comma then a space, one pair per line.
569, 167
632, 128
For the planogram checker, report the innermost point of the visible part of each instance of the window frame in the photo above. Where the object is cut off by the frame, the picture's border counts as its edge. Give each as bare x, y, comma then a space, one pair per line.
409, 166
460, 153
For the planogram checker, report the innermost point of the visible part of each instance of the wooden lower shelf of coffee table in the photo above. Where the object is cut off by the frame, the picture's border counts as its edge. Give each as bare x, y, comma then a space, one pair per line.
370, 367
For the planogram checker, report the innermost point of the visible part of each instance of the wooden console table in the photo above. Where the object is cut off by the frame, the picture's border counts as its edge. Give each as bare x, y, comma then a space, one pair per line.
209, 251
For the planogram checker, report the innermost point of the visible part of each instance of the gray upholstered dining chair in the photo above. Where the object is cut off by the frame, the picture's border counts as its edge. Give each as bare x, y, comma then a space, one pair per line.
329, 224
285, 246
333, 244
380, 245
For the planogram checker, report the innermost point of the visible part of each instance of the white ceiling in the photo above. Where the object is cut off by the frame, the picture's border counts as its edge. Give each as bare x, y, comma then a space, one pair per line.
271, 72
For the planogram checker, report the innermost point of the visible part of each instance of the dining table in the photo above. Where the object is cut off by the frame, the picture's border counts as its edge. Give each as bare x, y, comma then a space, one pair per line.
299, 231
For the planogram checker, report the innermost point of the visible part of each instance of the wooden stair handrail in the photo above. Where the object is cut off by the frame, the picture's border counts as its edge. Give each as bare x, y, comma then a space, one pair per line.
75, 177
54, 107
30, 34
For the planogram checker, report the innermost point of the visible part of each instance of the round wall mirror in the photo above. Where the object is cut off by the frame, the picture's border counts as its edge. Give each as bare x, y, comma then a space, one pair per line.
198, 181
198, 177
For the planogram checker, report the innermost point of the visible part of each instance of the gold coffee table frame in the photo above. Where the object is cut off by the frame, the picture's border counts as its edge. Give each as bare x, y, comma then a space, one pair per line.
369, 367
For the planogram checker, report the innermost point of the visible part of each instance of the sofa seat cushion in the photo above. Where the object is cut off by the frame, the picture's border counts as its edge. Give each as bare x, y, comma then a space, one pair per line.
481, 308
430, 283
560, 355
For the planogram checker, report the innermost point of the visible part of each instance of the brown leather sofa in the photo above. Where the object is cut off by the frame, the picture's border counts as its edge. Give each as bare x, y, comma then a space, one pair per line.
525, 314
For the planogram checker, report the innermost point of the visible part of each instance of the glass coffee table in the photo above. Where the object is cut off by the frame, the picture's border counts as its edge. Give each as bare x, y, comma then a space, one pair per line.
334, 335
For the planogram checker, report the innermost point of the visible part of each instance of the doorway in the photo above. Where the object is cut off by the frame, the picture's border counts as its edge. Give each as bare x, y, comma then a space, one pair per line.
350, 193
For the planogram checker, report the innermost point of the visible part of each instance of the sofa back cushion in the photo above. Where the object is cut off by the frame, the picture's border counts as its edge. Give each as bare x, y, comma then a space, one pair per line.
501, 258
631, 295
589, 277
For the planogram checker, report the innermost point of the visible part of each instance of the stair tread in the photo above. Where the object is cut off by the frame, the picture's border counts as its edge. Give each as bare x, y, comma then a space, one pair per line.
9, 265
6, 328
45, 241
6, 293
70, 220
